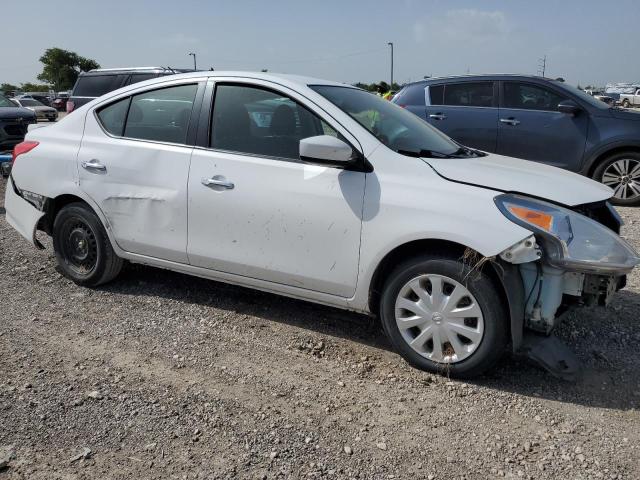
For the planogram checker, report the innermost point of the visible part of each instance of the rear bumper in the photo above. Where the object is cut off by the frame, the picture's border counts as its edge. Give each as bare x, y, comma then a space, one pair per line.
22, 215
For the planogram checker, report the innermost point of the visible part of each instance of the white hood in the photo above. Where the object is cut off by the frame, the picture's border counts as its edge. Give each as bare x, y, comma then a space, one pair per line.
509, 174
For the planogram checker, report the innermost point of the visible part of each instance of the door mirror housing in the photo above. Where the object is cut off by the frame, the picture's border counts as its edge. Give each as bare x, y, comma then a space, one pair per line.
569, 107
326, 150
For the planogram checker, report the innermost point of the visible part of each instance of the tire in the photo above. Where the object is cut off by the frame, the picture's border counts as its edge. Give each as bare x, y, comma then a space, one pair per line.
82, 247
616, 169
625, 103
488, 320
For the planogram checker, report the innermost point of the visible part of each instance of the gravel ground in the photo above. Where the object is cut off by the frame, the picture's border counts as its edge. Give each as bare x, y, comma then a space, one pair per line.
160, 375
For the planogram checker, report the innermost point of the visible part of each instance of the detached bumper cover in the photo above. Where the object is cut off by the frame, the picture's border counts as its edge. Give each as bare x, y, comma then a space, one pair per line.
22, 215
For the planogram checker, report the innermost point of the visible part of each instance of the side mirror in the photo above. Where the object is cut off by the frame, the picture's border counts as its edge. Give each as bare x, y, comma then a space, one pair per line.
325, 150
569, 107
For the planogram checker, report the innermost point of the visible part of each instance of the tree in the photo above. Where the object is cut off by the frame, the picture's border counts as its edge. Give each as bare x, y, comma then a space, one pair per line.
8, 87
62, 67
35, 87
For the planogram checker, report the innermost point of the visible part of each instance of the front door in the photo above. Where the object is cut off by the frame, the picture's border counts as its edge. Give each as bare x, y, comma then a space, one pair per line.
255, 210
134, 163
531, 127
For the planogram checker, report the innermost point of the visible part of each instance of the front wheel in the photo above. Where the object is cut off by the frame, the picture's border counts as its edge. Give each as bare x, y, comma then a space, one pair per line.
621, 172
82, 247
443, 316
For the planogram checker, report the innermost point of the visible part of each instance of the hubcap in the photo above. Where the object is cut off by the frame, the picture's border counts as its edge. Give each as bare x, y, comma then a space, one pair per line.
439, 318
624, 177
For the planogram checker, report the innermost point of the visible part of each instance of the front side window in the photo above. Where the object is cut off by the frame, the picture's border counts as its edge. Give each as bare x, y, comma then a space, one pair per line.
469, 94
530, 97
262, 122
161, 115
397, 128
5, 102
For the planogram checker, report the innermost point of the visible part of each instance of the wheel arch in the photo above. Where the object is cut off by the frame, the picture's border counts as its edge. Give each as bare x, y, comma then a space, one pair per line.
505, 276
599, 157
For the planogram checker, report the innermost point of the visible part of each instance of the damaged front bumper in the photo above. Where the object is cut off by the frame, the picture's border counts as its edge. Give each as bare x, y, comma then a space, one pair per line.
21, 214
577, 259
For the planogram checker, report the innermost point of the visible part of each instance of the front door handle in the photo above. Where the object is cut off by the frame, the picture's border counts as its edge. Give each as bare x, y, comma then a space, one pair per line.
94, 165
438, 116
510, 121
218, 181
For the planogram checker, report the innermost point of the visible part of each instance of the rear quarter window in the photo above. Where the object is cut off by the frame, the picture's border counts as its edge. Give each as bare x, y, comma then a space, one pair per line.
412, 95
436, 94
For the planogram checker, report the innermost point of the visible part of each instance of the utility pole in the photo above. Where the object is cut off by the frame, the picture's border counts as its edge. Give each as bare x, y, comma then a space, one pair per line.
194, 60
391, 45
542, 65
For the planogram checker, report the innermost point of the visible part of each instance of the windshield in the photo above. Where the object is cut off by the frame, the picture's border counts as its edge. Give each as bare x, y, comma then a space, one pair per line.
28, 102
5, 102
594, 102
397, 128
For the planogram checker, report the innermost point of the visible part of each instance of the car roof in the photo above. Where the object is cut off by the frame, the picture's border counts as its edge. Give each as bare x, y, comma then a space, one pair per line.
280, 78
480, 76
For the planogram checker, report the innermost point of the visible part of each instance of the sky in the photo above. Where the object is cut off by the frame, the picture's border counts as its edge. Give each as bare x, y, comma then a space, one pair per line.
343, 40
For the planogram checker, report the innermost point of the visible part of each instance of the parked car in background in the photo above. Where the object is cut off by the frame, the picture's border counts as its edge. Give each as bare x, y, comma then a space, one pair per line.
42, 111
630, 99
95, 83
13, 123
324, 192
43, 97
603, 97
60, 101
536, 119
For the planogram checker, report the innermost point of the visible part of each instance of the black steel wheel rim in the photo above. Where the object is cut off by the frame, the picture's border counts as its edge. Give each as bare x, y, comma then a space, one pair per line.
79, 246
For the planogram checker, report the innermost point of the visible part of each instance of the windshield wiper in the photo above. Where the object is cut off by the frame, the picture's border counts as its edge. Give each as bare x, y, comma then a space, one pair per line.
460, 153
425, 153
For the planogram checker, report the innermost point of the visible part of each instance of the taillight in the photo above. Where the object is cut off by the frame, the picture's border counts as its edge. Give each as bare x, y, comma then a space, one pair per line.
21, 148
70, 106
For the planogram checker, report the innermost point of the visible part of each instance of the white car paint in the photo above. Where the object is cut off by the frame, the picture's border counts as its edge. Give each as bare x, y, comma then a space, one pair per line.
311, 232
522, 176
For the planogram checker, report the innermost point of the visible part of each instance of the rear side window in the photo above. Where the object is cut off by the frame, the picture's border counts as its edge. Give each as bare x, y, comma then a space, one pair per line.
411, 95
112, 117
162, 115
530, 97
436, 94
95, 85
469, 94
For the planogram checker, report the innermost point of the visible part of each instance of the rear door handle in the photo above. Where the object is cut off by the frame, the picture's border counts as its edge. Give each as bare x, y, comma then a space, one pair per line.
218, 181
94, 165
438, 116
510, 121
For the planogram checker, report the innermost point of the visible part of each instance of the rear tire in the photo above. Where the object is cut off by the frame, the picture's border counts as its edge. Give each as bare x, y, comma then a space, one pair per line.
621, 172
626, 103
471, 331
82, 247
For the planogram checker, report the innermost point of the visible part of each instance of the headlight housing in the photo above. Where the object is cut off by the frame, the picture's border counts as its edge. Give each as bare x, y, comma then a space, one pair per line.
570, 240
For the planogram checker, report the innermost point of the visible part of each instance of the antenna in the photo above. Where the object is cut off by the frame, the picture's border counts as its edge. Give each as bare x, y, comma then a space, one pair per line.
542, 65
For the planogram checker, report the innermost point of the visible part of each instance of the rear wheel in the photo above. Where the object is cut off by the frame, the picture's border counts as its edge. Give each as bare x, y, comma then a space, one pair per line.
621, 172
82, 247
444, 317
626, 103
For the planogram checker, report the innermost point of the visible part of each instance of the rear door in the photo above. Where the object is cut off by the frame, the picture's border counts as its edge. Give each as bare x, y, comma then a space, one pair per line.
134, 163
532, 128
466, 111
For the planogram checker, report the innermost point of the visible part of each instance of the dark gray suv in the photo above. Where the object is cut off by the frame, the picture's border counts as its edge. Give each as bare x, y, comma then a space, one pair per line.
536, 119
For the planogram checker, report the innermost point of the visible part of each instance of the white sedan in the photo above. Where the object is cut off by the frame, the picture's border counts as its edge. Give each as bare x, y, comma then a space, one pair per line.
324, 192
